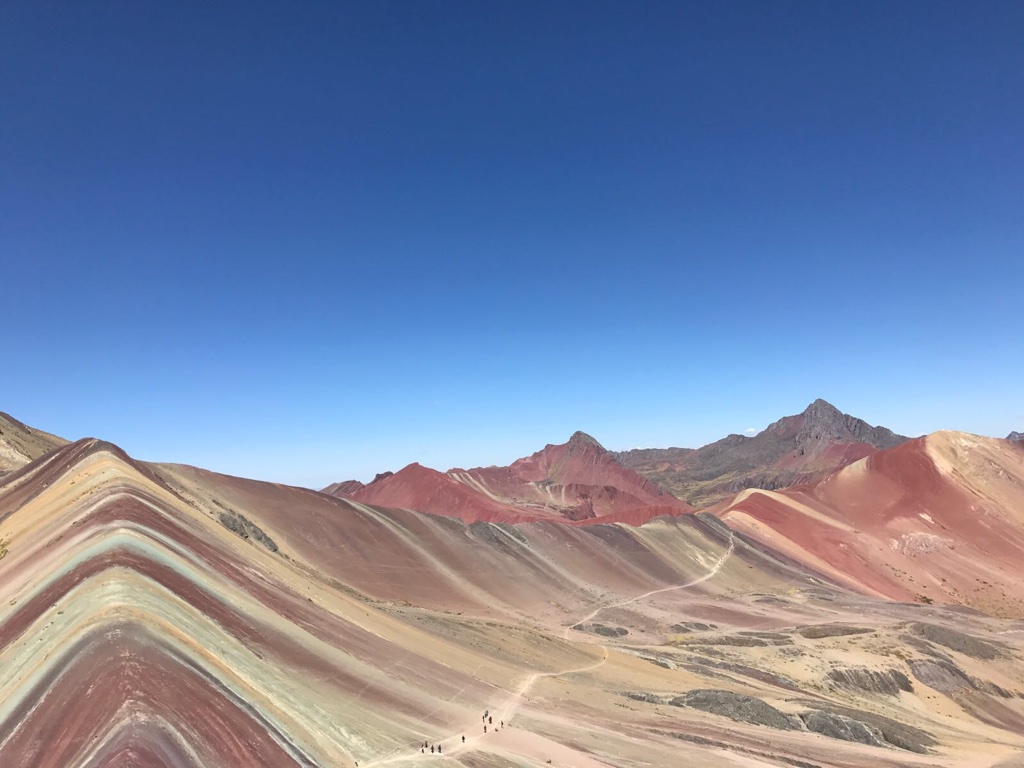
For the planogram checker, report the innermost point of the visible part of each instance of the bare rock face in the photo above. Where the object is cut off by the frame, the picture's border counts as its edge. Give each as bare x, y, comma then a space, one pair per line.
888, 682
244, 527
795, 449
692, 626
820, 631
1015, 437
649, 698
941, 675
946, 677
602, 629
823, 421
842, 727
849, 724
956, 641
735, 706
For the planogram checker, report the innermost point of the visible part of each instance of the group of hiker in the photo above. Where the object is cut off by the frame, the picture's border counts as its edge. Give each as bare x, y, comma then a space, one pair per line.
435, 747
488, 719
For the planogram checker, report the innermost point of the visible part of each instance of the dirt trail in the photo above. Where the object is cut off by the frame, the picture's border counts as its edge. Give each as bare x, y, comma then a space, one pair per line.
710, 574
511, 707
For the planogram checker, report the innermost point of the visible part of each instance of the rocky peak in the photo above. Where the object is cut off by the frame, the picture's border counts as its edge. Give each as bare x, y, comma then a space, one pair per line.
582, 441
823, 421
1016, 437
819, 419
822, 411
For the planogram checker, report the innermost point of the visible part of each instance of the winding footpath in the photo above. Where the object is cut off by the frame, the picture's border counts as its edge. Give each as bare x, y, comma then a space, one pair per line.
511, 707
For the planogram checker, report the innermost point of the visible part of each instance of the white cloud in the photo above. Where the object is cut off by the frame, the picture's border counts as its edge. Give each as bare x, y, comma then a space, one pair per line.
750, 431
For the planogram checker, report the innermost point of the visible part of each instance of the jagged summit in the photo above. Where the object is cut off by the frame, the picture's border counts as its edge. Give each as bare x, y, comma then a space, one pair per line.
823, 421
582, 437
1015, 437
821, 405
583, 440
822, 411
795, 449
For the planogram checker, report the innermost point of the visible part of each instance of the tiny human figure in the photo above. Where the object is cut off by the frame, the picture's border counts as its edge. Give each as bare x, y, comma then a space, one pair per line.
502, 723
490, 720
431, 749
485, 729
463, 739
439, 749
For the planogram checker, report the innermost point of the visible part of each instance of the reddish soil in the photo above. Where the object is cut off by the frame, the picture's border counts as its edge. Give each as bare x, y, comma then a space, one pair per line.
936, 518
578, 482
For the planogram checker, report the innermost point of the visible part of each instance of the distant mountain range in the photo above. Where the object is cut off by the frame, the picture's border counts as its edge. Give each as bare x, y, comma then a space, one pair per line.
794, 450
578, 481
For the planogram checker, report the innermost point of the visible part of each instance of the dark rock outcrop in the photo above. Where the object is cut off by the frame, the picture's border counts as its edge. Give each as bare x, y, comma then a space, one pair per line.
649, 698
692, 626
892, 731
820, 631
946, 677
735, 641
601, 629
245, 528
735, 706
941, 675
956, 641
888, 682
842, 727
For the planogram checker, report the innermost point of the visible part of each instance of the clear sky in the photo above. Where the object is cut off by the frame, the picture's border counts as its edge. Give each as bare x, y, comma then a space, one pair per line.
313, 241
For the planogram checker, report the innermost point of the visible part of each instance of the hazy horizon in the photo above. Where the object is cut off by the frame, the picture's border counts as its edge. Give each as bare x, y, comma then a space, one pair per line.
510, 454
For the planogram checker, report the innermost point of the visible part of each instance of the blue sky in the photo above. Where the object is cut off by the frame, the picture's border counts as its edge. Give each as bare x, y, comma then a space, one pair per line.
307, 242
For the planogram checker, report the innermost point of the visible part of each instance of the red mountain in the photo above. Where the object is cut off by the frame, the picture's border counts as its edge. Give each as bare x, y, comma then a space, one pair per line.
937, 518
578, 481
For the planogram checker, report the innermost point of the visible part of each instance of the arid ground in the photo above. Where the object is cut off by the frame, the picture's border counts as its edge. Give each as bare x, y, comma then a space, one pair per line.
164, 615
